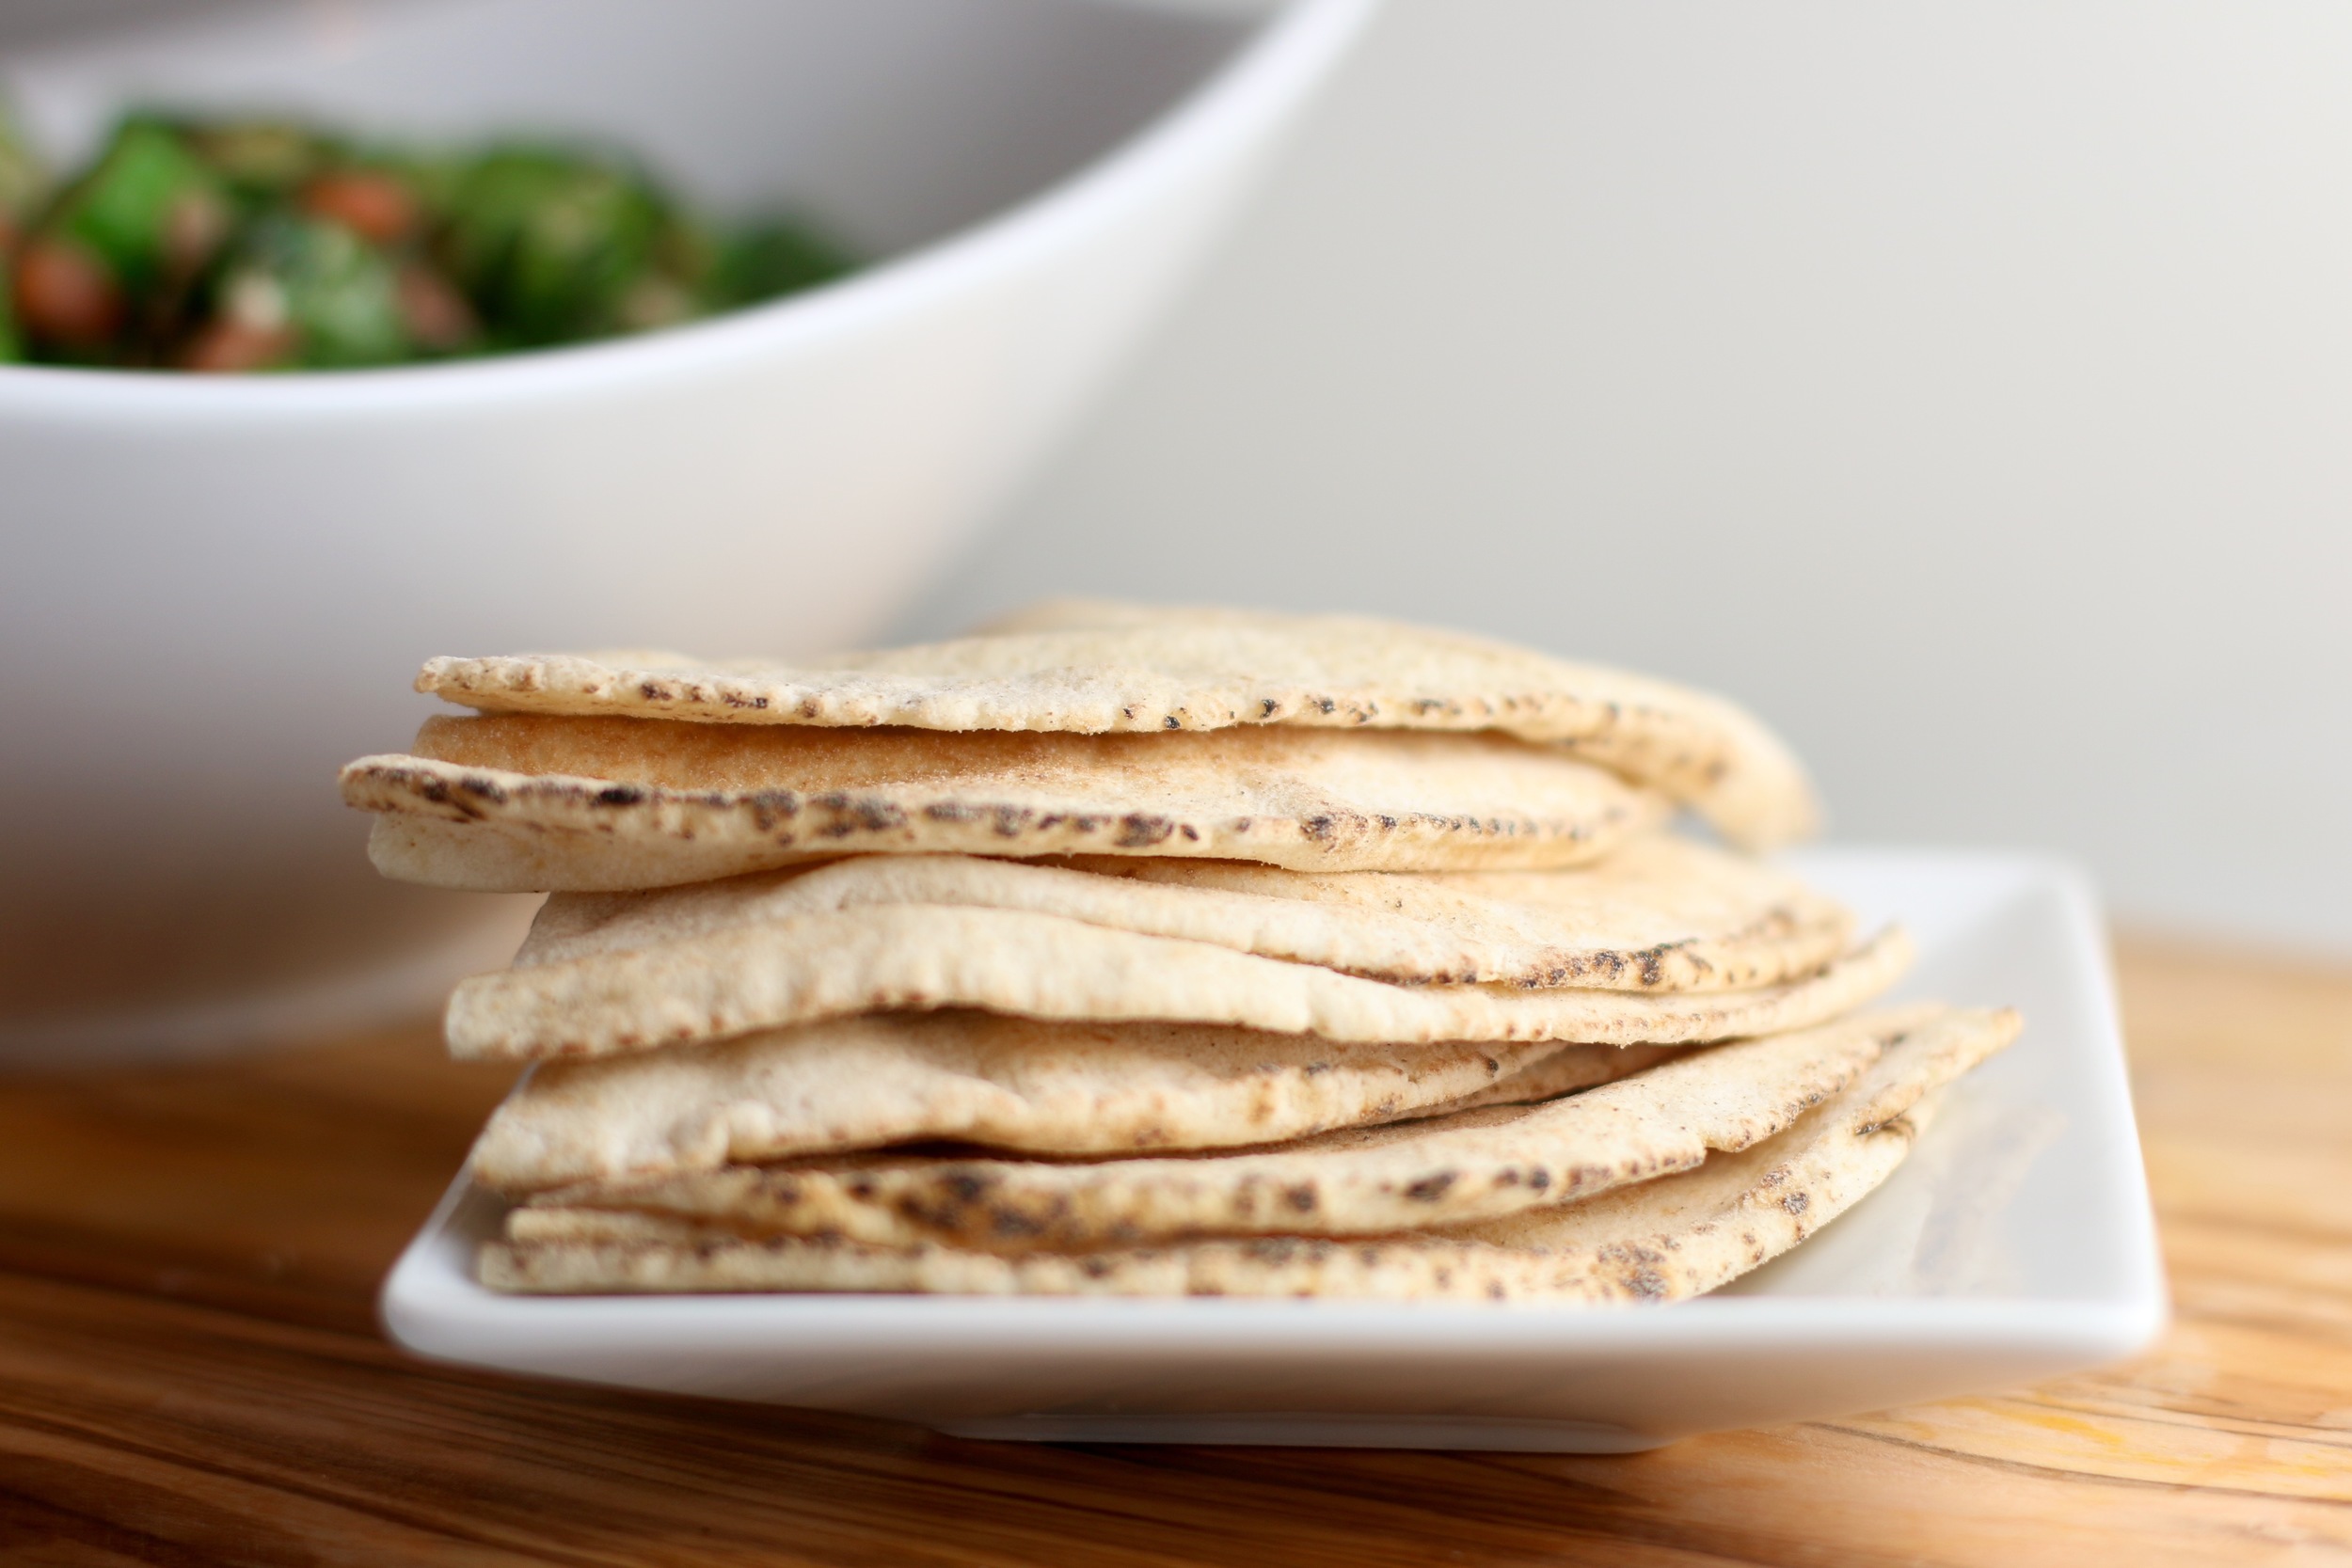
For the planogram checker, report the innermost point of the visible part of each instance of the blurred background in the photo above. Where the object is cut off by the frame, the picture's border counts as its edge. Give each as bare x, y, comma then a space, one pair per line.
1966, 388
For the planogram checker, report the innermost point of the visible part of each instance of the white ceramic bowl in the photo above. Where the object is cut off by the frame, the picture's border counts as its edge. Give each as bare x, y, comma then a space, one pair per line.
216, 590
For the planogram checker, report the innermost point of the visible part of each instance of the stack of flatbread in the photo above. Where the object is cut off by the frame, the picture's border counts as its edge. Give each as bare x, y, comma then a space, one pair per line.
1151, 951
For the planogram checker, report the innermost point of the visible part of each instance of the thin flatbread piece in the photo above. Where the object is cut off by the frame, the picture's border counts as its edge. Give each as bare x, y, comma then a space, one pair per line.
1090, 667
523, 803
1010, 1083
1438, 1171
1659, 913
1568, 1069
917, 956
1655, 1240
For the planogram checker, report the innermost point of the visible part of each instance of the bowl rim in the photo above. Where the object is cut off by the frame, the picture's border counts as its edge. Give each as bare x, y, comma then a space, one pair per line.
1237, 101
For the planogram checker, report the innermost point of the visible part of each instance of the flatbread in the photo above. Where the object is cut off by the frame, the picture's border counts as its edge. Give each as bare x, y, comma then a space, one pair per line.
1015, 1084
1660, 913
1357, 1182
1568, 1069
832, 964
529, 804
1099, 668
1655, 1240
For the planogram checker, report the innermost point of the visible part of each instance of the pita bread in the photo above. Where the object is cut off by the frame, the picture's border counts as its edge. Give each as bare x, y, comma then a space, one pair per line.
829, 965
1655, 1240
1096, 668
1568, 1069
543, 802
1357, 1182
1659, 914
1051, 1089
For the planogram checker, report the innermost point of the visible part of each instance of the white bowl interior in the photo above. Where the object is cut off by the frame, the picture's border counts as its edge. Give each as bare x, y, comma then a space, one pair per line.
898, 122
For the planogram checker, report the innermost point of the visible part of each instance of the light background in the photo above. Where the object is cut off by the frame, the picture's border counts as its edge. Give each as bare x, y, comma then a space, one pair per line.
1966, 388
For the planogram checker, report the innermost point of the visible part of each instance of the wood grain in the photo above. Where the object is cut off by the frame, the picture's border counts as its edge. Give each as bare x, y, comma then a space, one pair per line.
189, 1371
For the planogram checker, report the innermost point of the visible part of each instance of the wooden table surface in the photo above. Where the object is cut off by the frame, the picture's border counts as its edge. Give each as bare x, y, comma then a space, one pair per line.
190, 1371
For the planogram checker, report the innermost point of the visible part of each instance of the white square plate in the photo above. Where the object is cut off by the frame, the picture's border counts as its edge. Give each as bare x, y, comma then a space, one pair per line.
2015, 1244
